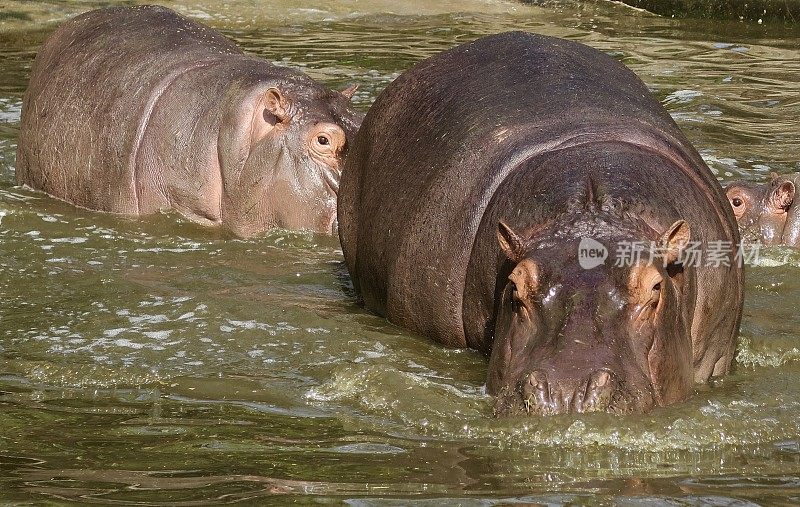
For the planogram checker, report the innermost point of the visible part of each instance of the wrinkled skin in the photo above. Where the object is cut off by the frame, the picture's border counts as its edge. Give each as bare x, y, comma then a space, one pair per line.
475, 177
767, 212
135, 110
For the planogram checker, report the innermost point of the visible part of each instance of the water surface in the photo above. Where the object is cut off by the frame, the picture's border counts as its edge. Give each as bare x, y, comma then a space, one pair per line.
148, 361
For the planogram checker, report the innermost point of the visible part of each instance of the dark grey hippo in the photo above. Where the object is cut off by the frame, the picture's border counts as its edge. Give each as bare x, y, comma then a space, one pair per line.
767, 212
486, 203
134, 110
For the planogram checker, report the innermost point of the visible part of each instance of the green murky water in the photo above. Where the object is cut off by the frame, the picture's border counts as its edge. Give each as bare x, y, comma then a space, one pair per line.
154, 361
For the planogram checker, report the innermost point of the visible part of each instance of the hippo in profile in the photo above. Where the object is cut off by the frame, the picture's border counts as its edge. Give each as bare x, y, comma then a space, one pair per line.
487, 201
767, 212
134, 110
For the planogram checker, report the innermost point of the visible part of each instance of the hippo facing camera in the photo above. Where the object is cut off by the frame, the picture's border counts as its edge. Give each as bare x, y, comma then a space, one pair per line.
464, 216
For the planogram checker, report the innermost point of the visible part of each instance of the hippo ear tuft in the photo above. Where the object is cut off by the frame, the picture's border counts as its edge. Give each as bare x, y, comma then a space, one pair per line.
782, 196
511, 243
350, 91
675, 239
277, 104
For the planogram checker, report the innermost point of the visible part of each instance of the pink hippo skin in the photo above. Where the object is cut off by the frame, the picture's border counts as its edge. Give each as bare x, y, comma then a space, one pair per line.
767, 212
135, 110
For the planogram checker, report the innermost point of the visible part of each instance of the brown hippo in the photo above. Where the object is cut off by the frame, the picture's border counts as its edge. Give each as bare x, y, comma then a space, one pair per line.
134, 110
767, 212
485, 177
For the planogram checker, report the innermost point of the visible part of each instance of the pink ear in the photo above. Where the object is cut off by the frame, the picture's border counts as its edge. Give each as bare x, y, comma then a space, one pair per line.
271, 109
277, 104
350, 91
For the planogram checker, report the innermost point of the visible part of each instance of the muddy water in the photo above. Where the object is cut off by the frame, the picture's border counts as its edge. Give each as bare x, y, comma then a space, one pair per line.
154, 361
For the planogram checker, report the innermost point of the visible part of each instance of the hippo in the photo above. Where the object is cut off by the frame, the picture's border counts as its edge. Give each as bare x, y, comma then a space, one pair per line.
488, 202
136, 110
766, 212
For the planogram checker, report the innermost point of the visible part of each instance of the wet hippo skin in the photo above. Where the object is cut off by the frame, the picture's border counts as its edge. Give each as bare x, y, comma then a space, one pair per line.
475, 177
135, 110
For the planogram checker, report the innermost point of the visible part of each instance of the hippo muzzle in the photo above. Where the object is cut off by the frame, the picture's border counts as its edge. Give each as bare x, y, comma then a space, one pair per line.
557, 386
541, 394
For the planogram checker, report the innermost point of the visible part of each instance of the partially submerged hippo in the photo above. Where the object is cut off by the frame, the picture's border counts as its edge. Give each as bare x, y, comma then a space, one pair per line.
476, 177
767, 212
133, 110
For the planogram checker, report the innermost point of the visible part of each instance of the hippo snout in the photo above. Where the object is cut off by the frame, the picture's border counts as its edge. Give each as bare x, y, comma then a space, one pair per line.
543, 395
538, 393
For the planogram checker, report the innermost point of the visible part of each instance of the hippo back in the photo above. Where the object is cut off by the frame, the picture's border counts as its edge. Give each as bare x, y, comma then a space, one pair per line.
445, 135
77, 79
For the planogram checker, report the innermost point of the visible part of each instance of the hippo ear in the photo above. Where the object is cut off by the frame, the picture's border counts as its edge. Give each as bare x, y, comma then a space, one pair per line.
781, 197
675, 239
350, 91
269, 111
277, 104
511, 243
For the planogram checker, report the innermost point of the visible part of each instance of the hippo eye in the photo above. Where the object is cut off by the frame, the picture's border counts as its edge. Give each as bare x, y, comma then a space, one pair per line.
656, 295
737, 201
323, 140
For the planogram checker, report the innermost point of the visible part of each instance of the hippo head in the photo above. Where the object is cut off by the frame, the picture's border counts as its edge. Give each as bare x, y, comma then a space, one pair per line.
284, 149
604, 336
762, 210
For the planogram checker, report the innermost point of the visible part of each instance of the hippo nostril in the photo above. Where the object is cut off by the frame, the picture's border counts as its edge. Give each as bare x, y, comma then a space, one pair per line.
536, 384
535, 392
601, 378
599, 390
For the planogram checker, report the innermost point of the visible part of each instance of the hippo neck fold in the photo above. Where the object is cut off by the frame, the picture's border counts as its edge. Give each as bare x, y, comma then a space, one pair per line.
660, 143
135, 165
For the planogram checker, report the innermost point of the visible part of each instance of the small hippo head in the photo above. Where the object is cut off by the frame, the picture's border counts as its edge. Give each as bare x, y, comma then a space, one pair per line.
284, 161
572, 336
762, 209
